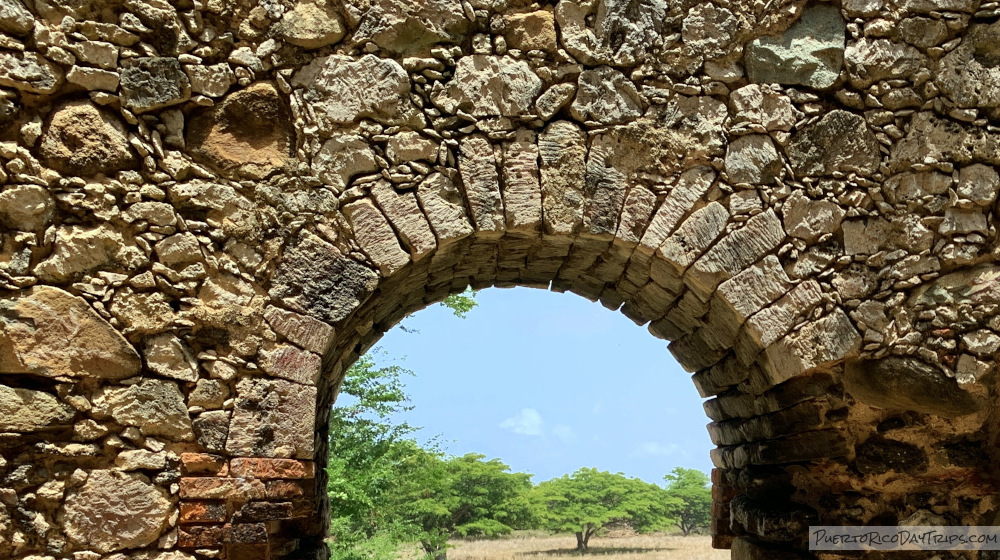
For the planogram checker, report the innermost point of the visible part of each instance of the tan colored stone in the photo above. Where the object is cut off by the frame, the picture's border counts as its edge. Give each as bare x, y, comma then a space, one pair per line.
26, 207
52, 333
481, 185
81, 250
273, 418
311, 334
522, 191
115, 511
24, 410
562, 150
168, 356
445, 208
531, 31
29, 72
291, 363
81, 139
249, 134
487, 86
312, 25
155, 407
376, 237
403, 212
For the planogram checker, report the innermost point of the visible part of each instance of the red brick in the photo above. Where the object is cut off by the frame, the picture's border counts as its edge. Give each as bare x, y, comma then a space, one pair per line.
203, 512
286, 489
262, 511
272, 468
203, 463
199, 536
243, 489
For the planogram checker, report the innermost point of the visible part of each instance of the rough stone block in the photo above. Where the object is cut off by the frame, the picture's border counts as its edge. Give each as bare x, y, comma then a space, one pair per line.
272, 468
273, 418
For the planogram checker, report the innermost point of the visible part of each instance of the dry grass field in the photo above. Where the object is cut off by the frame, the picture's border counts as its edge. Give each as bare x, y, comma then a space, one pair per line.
639, 547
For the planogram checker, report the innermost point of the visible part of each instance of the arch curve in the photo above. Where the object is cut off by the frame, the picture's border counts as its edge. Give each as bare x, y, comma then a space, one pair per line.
208, 210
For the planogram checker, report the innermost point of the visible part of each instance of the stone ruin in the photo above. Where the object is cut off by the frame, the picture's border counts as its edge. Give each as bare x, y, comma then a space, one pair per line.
210, 208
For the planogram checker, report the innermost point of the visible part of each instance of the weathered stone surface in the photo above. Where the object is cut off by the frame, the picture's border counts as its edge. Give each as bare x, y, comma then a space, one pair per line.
749, 291
562, 150
141, 459
554, 99
155, 407
809, 53
209, 393
273, 418
94, 79
445, 209
775, 321
29, 72
733, 253
694, 236
753, 159
211, 430
481, 185
407, 29
312, 25
168, 356
691, 186
403, 212
486, 86
606, 96
970, 74
305, 331
376, 236
840, 141
81, 139
622, 32
932, 138
758, 104
81, 249
872, 60
522, 191
115, 511
531, 31
153, 83
315, 278
291, 363
809, 219
52, 333
408, 146
15, 18
26, 207
605, 187
343, 157
819, 343
342, 90
249, 134
976, 286
908, 384
978, 183
213, 80
24, 410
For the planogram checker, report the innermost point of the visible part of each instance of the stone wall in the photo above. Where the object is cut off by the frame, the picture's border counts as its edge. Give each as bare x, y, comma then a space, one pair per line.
209, 209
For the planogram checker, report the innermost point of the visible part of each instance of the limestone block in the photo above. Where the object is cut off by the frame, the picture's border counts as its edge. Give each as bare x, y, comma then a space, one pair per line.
708, 30
312, 25
554, 99
969, 75
403, 212
605, 187
291, 363
771, 323
273, 418
522, 190
153, 83
753, 159
94, 79
809, 219
15, 18
621, 32
315, 278
978, 183
691, 186
694, 236
637, 210
908, 384
562, 150
24, 410
315, 336
156, 407
212, 80
531, 31
738, 250
168, 356
486, 86
606, 96
407, 146
341, 158
758, 104
81, 139
209, 394
872, 60
115, 511
376, 236
809, 53
819, 343
26, 207
408, 29
481, 185
840, 141
52, 333
29, 72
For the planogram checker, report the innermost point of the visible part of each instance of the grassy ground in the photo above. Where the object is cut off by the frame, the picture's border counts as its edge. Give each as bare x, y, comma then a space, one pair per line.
640, 547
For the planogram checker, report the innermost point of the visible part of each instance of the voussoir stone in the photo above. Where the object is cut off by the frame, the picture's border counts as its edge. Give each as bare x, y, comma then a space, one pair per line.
24, 410
82, 139
809, 53
486, 86
49, 332
840, 141
115, 511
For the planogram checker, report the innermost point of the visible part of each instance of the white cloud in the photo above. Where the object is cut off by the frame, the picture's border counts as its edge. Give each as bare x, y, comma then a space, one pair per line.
564, 433
654, 449
527, 422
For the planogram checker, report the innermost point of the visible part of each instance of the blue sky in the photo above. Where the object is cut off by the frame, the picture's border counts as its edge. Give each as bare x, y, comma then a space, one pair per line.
549, 383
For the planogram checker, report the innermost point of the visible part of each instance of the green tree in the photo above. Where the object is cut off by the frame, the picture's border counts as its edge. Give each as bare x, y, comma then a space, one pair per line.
586, 501
690, 488
464, 497
370, 453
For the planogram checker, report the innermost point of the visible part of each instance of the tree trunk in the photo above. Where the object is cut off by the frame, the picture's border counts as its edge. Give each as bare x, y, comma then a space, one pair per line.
581, 541
432, 549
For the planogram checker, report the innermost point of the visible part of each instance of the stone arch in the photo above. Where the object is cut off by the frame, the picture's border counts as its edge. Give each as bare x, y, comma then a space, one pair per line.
209, 209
